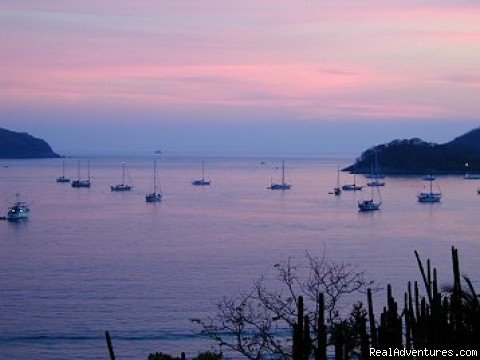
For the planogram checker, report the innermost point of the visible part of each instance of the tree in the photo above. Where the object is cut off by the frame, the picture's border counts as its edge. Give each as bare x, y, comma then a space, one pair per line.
260, 323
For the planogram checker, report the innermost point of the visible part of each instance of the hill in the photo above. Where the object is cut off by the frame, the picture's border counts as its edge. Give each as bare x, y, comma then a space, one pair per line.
16, 145
415, 156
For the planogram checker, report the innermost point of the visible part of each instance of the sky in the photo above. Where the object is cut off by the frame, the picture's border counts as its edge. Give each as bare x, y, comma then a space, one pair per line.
220, 75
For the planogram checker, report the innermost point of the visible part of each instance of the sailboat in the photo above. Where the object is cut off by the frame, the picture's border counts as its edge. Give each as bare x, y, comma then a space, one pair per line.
63, 179
429, 177
18, 211
123, 186
283, 185
370, 204
429, 197
202, 181
155, 196
79, 183
376, 177
354, 186
337, 190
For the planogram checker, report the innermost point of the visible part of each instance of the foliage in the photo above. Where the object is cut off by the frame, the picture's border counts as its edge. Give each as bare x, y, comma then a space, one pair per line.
259, 324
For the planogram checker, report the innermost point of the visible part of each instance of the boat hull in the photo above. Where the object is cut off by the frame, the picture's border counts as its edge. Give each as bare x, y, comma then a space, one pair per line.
81, 184
368, 205
121, 188
153, 198
352, 188
280, 187
429, 197
201, 183
63, 179
17, 213
376, 183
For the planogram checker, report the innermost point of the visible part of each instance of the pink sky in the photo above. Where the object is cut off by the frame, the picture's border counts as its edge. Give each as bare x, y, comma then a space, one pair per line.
308, 60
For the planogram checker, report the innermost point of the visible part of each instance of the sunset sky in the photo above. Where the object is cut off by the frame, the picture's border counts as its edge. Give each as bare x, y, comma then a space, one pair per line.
269, 75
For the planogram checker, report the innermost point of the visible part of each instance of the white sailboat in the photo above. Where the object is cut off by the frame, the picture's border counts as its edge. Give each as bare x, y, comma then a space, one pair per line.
63, 179
337, 190
155, 196
354, 186
18, 211
282, 185
79, 183
202, 181
430, 196
370, 204
123, 186
376, 177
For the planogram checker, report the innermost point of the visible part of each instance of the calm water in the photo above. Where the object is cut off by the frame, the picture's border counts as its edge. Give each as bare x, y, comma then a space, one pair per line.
89, 260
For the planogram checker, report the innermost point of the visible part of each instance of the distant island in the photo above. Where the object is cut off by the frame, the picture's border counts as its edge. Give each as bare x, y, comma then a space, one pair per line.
17, 145
415, 156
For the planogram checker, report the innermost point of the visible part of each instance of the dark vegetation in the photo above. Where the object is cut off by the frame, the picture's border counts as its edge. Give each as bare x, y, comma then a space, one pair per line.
301, 321
15, 145
415, 156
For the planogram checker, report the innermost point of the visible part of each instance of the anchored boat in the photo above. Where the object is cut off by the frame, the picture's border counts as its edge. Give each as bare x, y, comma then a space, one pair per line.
430, 196
155, 196
123, 186
370, 204
354, 186
18, 211
375, 175
337, 190
63, 179
202, 181
79, 183
282, 185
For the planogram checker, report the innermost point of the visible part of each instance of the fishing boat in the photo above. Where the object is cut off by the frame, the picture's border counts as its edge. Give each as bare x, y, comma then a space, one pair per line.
202, 181
282, 185
354, 186
63, 179
123, 186
430, 196
375, 175
370, 204
79, 183
155, 196
337, 190
18, 211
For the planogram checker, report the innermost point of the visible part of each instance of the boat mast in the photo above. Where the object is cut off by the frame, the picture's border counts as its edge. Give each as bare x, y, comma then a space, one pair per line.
283, 172
155, 177
431, 184
203, 171
338, 176
63, 169
78, 170
89, 170
123, 173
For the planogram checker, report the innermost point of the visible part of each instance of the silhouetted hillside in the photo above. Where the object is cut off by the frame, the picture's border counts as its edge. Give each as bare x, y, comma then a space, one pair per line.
15, 145
415, 156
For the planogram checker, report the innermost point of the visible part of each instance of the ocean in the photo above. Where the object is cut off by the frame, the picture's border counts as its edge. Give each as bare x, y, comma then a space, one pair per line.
90, 260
